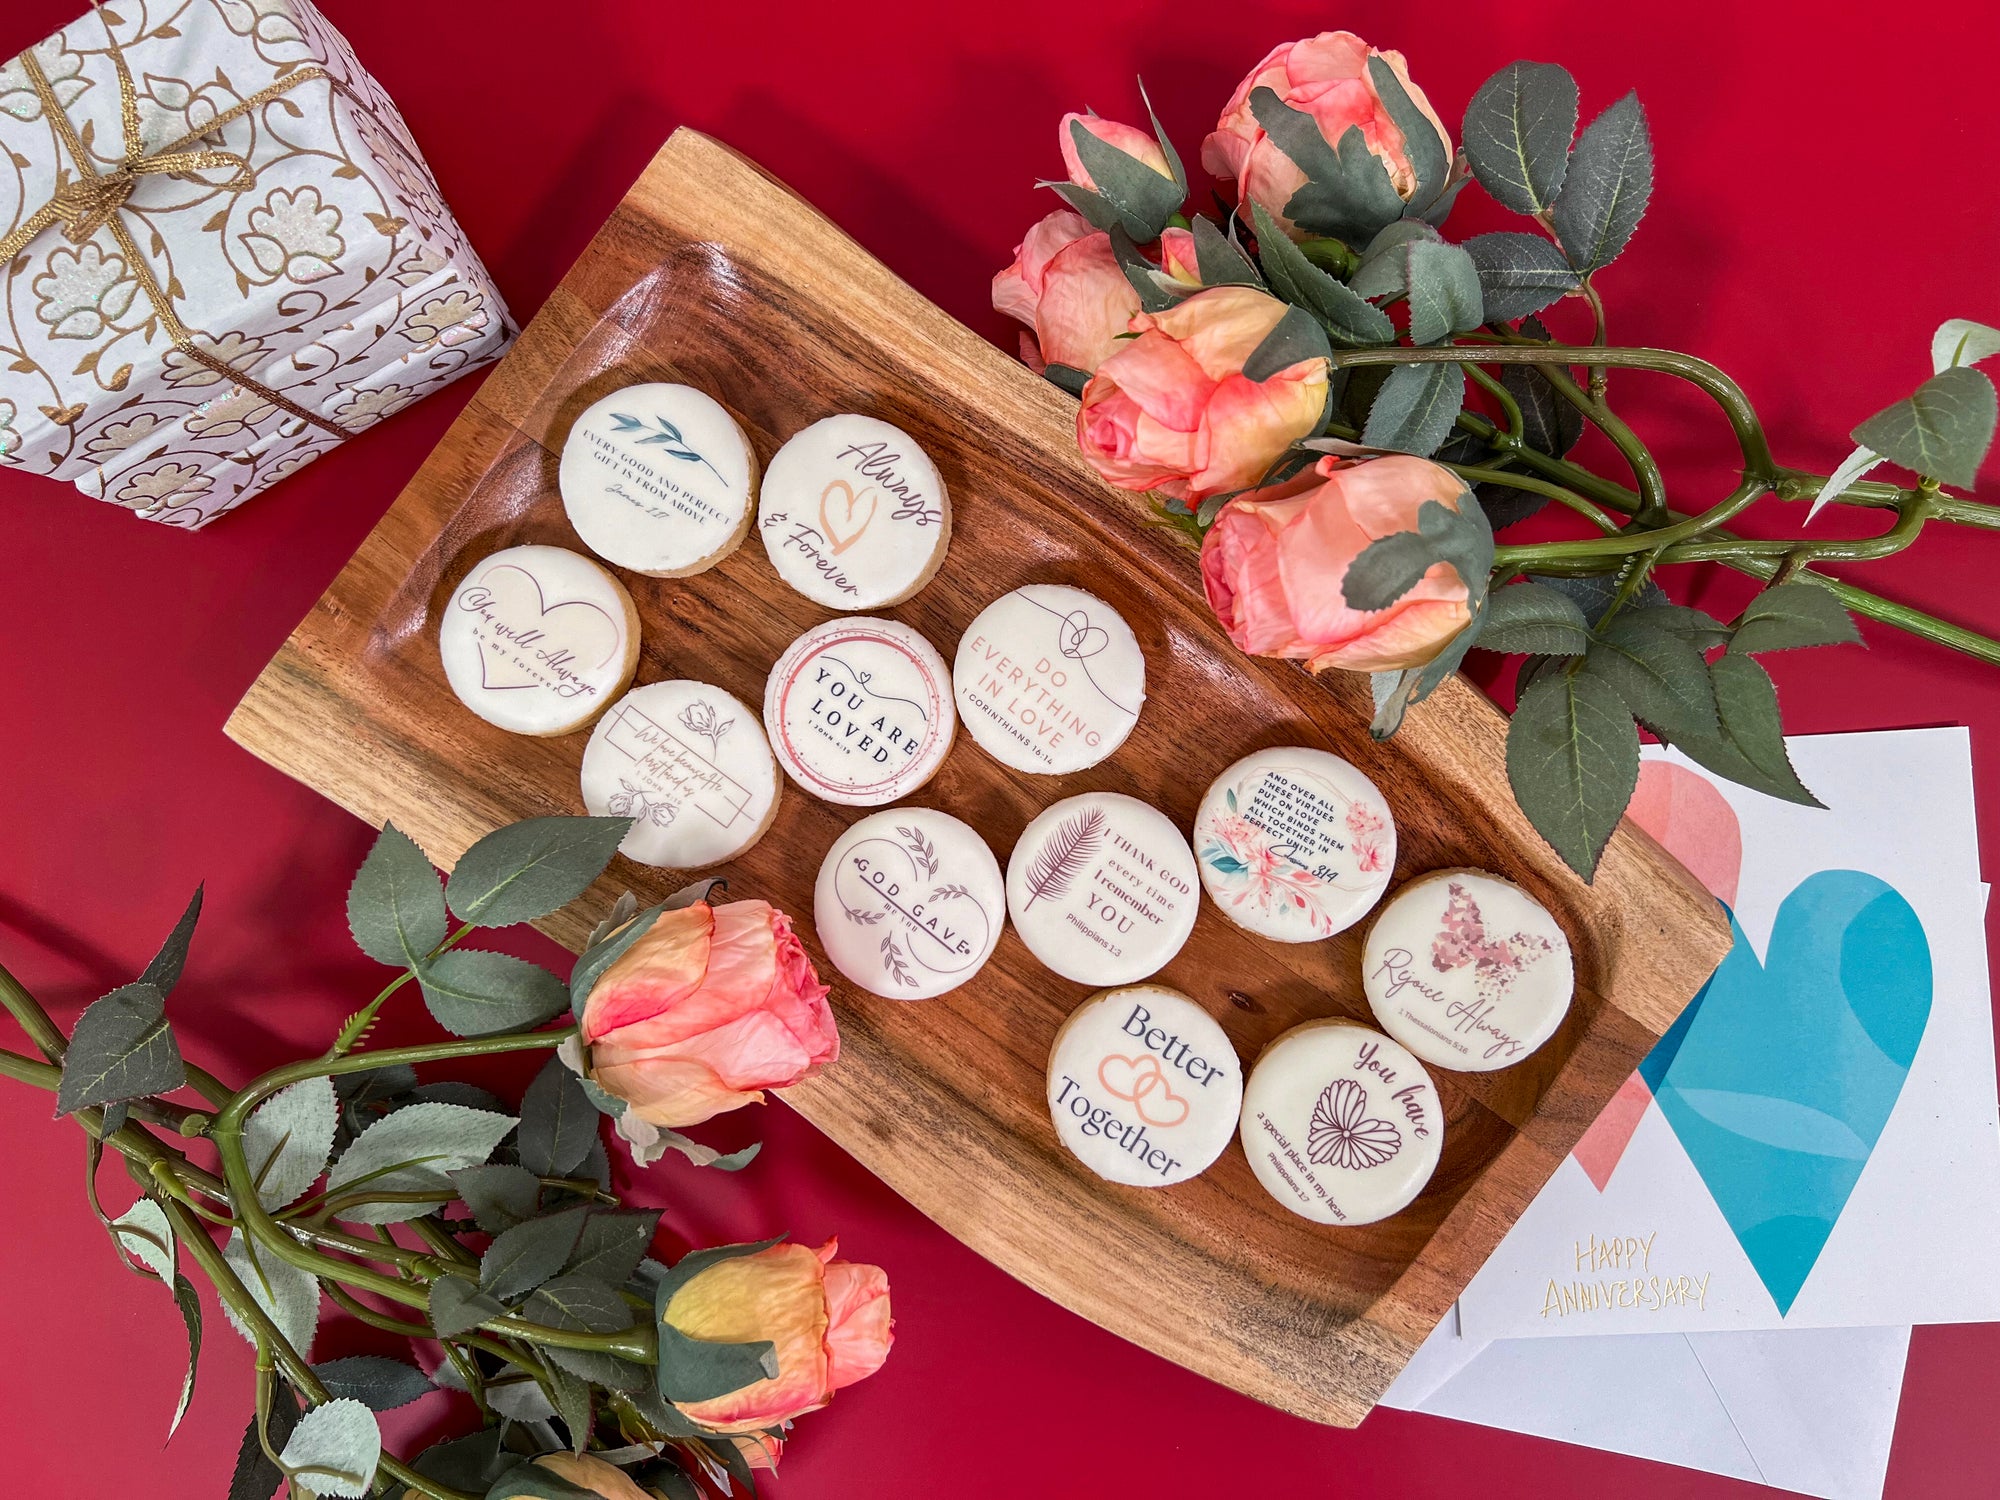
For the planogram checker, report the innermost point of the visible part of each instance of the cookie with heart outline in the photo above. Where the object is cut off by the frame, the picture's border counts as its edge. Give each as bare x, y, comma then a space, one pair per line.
538, 640
1144, 1087
854, 514
859, 711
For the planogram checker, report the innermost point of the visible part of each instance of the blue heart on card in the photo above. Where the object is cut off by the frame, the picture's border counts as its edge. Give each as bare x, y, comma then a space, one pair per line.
1780, 1075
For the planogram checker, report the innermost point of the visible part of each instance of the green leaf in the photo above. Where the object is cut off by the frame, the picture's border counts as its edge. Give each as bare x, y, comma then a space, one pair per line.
334, 1449
1347, 193
1852, 468
1296, 337
573, 1404
143, 1233
457, 1306
579, 1303
1389, 567
533, 1482
1517, 134
474, 992
1349, 317
612, 1245
1156, 292
558, 1122
378, 1383
164, 972
122, 1048
529, 869
1415, 409
666, 1476
1144, 199
1098, 211
708, 1156
256, 1477
411, 1151
395, 908
1573, 760
1610, 181
1218, 258
1659, 674
188, 1300
594, 960
1790, 615
698, 1369
1519, 275
288, 1139
1430, 161
1697, 628
1549, 424
500, 1195
1941, 432
470, 1463
1593, 594
1445, 293
1384, 270
1960, 341
1068, 377
522, 1258
729, 1458
288, 1295
1750, 749
1533, 617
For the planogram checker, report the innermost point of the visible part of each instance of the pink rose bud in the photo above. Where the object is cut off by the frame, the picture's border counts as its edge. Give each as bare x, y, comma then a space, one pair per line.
1134, 142
1066, 285
829, 1319
1327, 77
1274, 562
1177, 257
708, 1008
1172, 410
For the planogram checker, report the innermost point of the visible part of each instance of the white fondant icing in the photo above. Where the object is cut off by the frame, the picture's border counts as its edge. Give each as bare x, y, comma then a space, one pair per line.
1101, 888
1340, 1124
1049, 679
690, 765
538, 640
909, 903
1294, 844
659, 479
859, 711
1144, 1087
854, 513
1467, 970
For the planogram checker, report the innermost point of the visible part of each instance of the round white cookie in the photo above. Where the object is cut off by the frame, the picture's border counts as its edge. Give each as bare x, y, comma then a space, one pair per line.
909, 903
854, 514
1340, 1124
659, 479
690, 766
1144, 1088
1468, 970
538, 640
859, 711
1049, 679
1294, 844
1101, 888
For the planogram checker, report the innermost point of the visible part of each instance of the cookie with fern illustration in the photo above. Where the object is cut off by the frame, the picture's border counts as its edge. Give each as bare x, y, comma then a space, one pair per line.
1102, 888
660, 479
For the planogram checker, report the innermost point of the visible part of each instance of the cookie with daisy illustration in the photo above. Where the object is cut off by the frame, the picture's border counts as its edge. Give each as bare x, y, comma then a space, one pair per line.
1340, 1124
1468, 970
1294, 844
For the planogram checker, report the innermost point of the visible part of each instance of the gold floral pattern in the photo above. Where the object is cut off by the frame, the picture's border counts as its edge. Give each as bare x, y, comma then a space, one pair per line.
60, 66
165, 481
116, 437
225, 416
10, 435
82, 291
457, 318
365, 408
269, 21
295, 234
238, 351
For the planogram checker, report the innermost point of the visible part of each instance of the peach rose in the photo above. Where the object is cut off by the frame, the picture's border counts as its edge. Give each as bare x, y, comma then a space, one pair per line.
1134, 142
1066, 285
1172, 410
1327, 77
1274, 562
1178, 259
592, 1475
709, 1007
828, 1318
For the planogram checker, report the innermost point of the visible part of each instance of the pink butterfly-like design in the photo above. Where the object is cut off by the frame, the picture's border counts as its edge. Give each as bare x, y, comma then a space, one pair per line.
1464, 941
1341, 1133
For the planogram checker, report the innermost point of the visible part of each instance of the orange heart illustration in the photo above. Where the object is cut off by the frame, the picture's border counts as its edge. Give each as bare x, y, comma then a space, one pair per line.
832, 519
1140, 1080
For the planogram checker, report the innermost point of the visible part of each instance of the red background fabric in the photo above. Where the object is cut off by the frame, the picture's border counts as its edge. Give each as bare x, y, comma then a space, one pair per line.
1825, 198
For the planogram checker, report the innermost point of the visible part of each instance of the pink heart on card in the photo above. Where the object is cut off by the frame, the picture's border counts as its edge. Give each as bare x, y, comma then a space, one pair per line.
1695, 823
573, 632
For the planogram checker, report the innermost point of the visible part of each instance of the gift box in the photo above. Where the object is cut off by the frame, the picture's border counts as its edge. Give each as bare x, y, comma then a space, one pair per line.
220, 252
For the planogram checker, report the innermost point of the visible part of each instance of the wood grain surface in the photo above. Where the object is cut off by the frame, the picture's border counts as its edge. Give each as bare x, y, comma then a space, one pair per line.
711, 273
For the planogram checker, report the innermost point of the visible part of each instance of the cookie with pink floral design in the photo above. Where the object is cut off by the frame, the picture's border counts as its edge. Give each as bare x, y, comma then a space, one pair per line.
1467, 970
1294, 844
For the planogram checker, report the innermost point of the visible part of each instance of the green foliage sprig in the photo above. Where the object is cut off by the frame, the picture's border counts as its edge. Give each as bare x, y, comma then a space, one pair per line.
1469, 375
541, 1291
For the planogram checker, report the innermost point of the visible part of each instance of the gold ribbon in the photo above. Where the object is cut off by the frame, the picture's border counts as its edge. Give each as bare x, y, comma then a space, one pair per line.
92, 199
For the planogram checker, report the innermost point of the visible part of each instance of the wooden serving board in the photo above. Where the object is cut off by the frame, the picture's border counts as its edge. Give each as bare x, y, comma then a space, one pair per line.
713, 274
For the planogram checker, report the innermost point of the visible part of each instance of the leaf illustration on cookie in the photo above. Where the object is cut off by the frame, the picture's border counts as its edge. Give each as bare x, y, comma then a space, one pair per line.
1341, 1133
922, 851
667, 438
1067, 851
